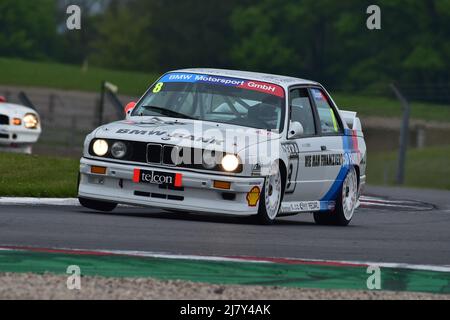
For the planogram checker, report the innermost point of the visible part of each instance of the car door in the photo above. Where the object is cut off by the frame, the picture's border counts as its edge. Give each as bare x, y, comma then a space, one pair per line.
303, 175
331, 139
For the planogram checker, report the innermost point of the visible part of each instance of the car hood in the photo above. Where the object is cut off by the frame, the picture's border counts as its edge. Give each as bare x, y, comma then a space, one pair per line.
186, 133
15, 110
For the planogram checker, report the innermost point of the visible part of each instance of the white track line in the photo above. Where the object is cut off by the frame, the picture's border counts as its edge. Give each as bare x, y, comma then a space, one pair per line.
39, 201
215, 258
387, 201
17, 201
218, 258
149, 254
393, 205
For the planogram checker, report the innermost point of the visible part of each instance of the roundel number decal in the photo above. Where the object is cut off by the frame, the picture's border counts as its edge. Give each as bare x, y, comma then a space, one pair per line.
158, 87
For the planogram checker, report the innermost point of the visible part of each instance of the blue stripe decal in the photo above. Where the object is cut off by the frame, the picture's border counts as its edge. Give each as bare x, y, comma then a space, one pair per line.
333, 192
327, 205
192, 78
347, 145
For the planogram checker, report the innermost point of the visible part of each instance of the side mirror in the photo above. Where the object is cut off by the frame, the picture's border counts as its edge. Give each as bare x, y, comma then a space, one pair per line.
129, 107
295, 130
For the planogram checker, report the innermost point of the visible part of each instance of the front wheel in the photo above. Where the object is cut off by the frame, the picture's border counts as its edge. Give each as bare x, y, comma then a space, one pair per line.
97, 205
345, 203
270, 199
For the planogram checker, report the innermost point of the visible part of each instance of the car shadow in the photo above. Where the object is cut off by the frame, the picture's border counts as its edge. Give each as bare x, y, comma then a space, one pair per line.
197, 217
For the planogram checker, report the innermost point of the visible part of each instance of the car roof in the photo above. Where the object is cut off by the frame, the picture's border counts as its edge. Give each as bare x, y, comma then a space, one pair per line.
284, 81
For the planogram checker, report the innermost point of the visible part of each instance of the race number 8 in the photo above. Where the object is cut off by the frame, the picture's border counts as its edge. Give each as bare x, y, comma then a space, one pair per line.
158, 87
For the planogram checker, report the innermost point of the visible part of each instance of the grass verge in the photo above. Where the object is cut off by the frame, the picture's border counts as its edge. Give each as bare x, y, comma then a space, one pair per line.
425, 168
367, 106
70, 77
37, 176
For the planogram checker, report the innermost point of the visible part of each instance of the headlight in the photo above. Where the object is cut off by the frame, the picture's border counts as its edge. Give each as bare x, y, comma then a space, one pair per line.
31, 121
230, 162
119, 149
100, 147
209, 159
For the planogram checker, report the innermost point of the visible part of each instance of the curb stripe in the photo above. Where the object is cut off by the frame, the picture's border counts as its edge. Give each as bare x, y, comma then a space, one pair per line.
274, 260
300, 261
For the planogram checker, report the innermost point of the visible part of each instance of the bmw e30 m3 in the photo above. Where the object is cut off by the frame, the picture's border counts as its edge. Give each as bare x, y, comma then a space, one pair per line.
20, 127
229, 142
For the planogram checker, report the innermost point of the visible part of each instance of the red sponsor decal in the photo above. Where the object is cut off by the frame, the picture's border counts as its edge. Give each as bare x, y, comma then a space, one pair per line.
136, 174
178, 179
263, 87
355, 142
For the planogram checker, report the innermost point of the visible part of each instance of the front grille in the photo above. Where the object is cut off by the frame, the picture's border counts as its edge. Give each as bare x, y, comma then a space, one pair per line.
165, 154
4, 119
171, 155
155, 153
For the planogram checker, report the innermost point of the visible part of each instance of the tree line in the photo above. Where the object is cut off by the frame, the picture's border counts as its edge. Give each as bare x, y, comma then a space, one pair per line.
325, 40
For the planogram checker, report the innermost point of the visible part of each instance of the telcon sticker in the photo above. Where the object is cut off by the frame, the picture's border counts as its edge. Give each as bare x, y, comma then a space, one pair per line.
264, 87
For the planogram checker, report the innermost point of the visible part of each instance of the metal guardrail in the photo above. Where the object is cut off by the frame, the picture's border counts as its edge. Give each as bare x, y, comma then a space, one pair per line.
109, 90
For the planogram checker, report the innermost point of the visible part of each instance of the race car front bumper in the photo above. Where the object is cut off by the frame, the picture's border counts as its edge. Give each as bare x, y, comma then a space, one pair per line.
197, 193
17, 139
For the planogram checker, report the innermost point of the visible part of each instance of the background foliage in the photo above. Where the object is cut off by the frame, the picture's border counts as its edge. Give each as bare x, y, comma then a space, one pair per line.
325, 40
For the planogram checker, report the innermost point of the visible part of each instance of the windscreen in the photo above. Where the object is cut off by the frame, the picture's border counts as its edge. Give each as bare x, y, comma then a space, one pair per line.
215, 98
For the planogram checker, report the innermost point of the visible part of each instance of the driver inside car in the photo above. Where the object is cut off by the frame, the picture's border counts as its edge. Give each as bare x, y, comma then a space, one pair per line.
265, 114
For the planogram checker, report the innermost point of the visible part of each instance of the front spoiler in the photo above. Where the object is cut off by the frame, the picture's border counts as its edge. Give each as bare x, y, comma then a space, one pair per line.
198, 194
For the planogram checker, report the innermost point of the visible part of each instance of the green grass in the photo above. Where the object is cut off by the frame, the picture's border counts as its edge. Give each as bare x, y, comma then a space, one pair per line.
71, 77
386, 107
37, 176
425, 168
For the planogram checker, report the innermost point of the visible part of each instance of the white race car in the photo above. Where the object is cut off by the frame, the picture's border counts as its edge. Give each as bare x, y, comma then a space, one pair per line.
229, 142
20, 127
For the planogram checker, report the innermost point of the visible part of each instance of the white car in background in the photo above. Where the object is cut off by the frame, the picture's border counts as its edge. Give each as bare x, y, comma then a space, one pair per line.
20, 127
229, 142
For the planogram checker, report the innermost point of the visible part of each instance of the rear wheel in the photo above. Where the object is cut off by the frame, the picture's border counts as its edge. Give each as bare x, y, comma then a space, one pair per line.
345, 203
97, 205
270, 199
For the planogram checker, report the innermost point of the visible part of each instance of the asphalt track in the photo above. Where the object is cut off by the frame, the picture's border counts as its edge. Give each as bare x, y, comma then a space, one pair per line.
416, 233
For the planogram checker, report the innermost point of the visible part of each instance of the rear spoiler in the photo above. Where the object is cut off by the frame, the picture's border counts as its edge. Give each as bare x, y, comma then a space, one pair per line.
352, 121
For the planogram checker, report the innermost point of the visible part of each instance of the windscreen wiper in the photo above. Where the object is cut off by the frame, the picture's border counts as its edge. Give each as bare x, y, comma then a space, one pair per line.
167, 112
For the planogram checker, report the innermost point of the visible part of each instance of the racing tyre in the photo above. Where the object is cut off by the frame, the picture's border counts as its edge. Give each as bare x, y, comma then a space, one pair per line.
345, 203
97, 205
270, 198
